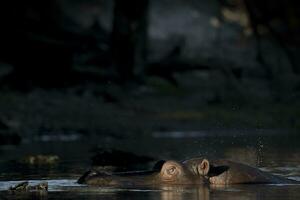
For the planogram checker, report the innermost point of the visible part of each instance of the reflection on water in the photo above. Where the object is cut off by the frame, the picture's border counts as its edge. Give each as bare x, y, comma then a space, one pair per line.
180, 193
238, 192
277, 153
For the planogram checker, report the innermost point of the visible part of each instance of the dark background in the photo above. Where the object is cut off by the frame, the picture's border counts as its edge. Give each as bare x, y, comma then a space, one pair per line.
127, 68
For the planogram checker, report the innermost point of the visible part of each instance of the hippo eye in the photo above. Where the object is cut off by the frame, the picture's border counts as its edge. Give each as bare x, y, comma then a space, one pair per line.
171, 170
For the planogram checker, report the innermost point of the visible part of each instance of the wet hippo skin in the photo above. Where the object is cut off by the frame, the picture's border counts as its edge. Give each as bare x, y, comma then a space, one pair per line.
194, 171
164, 172
226, 172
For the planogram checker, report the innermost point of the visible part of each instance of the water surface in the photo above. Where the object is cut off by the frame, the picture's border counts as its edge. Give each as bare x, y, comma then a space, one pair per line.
275, 151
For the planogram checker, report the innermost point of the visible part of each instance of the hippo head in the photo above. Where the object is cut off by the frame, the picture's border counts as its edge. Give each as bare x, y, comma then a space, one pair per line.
164, 172
202, 167
198, 166
173, 172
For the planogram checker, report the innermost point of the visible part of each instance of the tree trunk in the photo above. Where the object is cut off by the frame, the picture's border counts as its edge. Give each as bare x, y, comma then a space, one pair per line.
129, 38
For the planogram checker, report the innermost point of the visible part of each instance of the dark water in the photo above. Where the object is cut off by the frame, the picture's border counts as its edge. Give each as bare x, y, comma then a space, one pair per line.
274, 151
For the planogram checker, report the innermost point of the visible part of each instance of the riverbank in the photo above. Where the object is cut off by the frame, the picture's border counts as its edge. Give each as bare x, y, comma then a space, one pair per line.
114, 111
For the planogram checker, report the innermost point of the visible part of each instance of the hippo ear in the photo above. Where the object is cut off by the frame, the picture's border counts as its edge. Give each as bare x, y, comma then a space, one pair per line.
203, 167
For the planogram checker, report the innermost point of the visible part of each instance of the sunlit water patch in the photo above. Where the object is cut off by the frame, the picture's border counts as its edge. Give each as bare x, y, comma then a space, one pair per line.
53, 185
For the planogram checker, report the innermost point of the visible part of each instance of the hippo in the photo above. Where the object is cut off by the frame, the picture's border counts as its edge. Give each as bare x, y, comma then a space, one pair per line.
196, 171
163, 172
